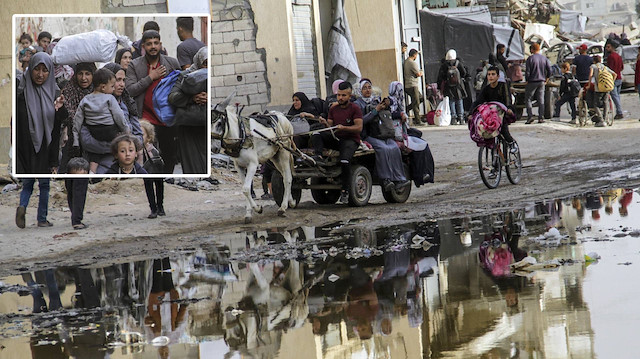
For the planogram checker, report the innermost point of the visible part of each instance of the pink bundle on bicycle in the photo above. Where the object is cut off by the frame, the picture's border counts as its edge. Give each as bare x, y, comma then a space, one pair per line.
486, 121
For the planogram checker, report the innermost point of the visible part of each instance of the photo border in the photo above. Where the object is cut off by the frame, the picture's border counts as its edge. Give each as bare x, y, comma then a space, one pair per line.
105, 176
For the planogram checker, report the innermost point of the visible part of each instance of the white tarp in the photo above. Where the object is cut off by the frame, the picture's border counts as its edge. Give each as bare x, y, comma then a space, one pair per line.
544, 30
477, 13
510, 38
572, 22
341, 58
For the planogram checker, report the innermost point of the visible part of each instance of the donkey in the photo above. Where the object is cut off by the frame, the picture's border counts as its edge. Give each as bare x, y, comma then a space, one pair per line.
248, 148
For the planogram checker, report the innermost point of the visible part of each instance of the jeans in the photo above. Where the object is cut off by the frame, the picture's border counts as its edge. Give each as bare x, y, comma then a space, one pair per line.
564, 99
457, 109
537, 89
43, 202
615, 95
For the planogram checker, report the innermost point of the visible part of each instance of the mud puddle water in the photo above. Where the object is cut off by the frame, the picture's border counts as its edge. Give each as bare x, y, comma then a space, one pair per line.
431, 289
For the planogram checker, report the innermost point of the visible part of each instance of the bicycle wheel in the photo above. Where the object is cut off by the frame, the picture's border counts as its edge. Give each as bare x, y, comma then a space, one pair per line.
513, 167
490, 166
611, 110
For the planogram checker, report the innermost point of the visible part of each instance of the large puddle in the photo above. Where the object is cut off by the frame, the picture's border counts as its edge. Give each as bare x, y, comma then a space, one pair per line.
408, 291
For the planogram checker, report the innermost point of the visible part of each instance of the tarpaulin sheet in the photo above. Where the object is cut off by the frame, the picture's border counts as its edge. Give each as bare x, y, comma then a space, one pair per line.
472, 40
477, 13
544, 30
572, 22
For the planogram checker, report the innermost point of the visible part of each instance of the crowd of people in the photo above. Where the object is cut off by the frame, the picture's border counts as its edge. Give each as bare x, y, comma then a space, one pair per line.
107, 118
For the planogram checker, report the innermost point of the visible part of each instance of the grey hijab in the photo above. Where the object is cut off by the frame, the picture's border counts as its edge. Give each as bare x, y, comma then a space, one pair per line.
40, 100
198, 59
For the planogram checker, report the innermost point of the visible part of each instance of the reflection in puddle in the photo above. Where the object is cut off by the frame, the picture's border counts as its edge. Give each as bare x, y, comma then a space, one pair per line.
429, 289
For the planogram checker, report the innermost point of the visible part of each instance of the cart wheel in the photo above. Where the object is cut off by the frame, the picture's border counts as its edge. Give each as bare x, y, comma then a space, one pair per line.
360, 186
324, 196
277, 187
393, 196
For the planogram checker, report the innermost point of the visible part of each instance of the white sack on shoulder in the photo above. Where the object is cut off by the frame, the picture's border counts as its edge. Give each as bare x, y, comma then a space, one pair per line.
95, 46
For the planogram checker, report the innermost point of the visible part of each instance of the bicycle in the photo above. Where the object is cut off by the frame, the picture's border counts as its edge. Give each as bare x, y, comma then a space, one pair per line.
585, 113
492, 159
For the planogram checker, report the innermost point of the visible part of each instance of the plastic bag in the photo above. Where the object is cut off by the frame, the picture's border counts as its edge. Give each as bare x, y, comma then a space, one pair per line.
443, 113
95, 46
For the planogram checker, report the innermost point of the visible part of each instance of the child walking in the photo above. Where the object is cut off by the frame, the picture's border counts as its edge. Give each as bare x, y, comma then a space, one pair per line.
149, 150
100, 112
568, 92
124, 149
77, 190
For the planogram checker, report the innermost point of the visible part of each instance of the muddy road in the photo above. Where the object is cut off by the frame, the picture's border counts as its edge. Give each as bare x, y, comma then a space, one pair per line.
559, 160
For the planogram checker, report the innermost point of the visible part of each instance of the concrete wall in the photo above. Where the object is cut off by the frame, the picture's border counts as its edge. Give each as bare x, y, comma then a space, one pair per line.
374, 34
7, 10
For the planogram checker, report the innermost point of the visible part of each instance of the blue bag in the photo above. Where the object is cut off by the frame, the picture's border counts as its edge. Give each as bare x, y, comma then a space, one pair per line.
164, 110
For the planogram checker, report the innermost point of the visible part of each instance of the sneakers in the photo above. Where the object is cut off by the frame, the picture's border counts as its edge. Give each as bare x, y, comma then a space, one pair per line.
529, 121
45, 224
344, 197
513, 147
493, 174
80, 226
20, 213
573, 122
600, 124
266, 196
153, 214
619, 117
540, 120
161, 211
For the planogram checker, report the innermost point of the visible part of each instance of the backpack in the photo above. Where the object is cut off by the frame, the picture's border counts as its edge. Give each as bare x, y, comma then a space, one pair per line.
573, 87
164, 110
605, 80
453, 75
382, 126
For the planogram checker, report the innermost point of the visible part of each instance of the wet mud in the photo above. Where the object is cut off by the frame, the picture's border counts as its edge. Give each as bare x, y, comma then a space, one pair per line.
549, 278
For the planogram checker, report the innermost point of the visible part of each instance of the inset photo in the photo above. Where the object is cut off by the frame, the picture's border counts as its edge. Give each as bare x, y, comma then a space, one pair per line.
115, 96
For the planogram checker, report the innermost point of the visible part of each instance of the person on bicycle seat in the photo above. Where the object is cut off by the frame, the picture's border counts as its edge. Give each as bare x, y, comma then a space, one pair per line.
596, 95
498, 92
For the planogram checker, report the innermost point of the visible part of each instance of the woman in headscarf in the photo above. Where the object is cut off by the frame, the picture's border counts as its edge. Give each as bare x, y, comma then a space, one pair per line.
191, 115
39, 114
389, 166
123, 58
303, 108
130, 110
74, 91
331, 99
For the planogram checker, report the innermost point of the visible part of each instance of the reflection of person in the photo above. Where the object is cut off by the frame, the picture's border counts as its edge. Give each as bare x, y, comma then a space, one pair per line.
594, 203
362, 303
164, 315
625, 201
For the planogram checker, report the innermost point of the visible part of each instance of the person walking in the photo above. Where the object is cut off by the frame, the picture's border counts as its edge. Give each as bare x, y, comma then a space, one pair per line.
614, 62
583, 64
412, 76
538, 70
450, 77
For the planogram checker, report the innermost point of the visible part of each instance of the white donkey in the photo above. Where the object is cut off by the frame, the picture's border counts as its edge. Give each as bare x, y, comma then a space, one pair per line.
250, 143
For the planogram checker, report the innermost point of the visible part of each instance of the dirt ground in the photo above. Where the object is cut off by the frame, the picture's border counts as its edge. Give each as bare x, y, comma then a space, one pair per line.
559, 160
